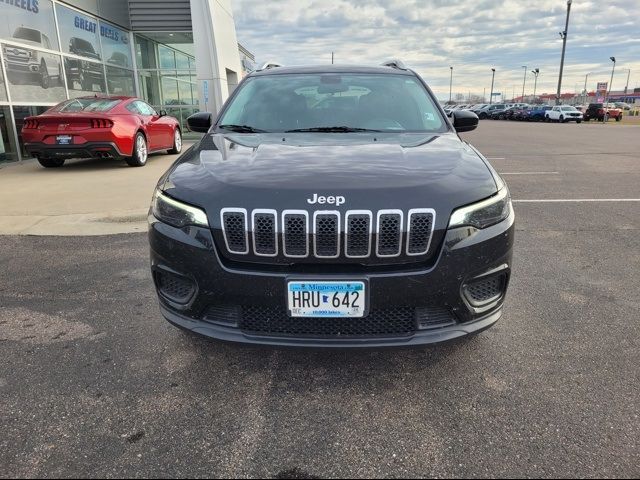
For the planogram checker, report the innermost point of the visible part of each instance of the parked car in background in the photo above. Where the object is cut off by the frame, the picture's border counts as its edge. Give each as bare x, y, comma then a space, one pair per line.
25, 64
499, 113
536, 114
602, 112
486, 112
100, 127
622, 105
515, 113
564, 113
477, 107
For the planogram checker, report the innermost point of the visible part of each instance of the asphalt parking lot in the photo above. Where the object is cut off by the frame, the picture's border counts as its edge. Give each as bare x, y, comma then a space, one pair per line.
95, 383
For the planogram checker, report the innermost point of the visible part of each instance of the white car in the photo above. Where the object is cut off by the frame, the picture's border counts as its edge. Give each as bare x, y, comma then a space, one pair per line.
563, 113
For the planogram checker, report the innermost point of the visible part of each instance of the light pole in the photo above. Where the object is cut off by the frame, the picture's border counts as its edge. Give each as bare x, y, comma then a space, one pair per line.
535, 72
626, 86
493, 76
524, 80
563, 35
585, 86
613, 59
450, 83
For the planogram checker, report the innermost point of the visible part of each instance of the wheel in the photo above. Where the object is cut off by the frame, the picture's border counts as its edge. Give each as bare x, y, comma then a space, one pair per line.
140, 151
45, 80
51, 162
177, 142
618, 118
483, 116
546, 118
561, 119
578, 121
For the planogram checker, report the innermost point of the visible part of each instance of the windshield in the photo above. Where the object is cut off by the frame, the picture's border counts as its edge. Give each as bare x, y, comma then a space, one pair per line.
568, 109
332, 101
84, 45
27, 34
86, 105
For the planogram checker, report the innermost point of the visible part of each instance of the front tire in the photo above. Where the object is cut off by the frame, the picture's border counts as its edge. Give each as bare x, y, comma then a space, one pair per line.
177, 142
561, 119
51, 162
140, 151
618, 118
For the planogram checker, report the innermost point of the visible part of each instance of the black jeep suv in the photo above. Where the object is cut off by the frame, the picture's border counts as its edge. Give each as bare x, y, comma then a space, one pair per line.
335, 207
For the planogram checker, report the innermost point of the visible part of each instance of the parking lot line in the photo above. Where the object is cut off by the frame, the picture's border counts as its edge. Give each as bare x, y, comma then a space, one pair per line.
529, 173
576, 200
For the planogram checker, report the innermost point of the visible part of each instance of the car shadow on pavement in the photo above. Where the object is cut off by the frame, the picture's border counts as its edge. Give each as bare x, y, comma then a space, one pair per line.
88, 164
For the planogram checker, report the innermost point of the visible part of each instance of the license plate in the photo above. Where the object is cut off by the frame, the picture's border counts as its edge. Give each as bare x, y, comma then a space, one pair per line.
327, 299
64, 139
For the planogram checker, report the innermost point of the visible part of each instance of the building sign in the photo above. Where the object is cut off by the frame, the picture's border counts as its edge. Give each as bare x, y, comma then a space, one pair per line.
602, 86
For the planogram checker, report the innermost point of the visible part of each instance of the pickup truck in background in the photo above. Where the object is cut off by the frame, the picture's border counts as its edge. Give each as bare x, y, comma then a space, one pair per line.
602, 112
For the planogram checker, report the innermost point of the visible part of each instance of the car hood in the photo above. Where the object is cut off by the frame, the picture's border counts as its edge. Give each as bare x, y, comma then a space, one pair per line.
284, 171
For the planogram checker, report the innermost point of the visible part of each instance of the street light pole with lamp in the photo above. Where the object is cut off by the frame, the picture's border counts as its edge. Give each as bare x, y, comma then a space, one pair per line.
524, 80
563, 35
450, 84
535, 72
493, 76
613, 59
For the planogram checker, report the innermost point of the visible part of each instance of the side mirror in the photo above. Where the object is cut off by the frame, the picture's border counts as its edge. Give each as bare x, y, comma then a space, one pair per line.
162, 113
200, 122
464, 120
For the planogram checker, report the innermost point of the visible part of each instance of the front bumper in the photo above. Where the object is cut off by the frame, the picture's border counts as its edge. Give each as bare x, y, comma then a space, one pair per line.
466, 255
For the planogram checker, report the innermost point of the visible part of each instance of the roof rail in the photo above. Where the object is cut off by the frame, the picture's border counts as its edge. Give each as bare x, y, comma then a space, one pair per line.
394, 63
269, 65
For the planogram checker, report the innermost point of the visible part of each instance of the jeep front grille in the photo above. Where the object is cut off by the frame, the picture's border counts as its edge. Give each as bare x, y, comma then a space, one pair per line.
328, 234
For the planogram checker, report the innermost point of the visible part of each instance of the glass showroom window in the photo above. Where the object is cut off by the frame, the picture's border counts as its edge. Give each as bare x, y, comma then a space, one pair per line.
8, 149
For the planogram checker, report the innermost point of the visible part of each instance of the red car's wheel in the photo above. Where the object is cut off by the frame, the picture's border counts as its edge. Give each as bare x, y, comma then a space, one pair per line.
140, 151
177, 142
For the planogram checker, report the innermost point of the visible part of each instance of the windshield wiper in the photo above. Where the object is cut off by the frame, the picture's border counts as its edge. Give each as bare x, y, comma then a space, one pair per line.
341, 129
242, 128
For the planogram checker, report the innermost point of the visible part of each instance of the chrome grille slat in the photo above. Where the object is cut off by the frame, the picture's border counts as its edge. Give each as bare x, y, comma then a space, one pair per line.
326, 234
389, 233
235, 229
420, 224
265, 228
295, 233
358, 230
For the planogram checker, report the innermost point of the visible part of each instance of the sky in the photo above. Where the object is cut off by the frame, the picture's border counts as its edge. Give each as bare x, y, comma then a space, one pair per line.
430, 36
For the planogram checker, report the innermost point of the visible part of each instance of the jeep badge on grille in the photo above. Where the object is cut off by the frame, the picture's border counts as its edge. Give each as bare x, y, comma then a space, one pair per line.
334, 200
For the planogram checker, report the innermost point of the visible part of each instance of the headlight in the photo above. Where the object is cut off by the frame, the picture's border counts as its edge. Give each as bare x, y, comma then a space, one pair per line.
485, 213
176, 213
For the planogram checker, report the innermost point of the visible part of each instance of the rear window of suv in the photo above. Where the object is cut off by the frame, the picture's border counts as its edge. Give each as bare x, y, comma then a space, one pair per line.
382, 102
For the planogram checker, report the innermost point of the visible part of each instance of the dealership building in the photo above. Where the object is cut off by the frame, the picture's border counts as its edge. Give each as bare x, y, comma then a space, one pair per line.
180, 56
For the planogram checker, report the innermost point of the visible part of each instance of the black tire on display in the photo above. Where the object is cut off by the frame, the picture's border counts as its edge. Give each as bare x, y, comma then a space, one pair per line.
140, 151
618, 118
177, 142
51, 162
561, 119
578, 121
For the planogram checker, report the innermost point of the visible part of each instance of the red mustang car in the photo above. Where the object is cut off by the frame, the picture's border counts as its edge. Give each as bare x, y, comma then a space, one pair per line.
100, 127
